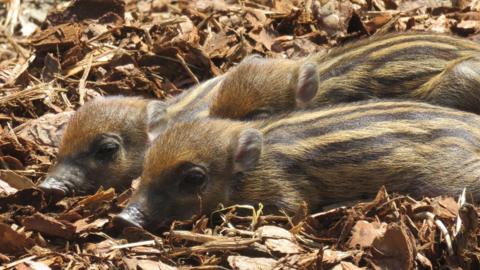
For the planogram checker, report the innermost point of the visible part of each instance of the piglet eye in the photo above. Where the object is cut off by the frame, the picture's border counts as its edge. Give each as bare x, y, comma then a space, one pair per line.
107, 150
193, 180
258, 114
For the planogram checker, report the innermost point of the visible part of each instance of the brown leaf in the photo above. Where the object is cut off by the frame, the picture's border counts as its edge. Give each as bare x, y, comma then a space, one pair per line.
247, 263
347, 266
62, 36
333, 257
101, 196
37, 265
263, 37
395, 249
217, 44
445, 207
85, 225
6, 189
49, 225
10, 163
101, 249
278, 239
15, 180
46, 130
364, 232
12, 242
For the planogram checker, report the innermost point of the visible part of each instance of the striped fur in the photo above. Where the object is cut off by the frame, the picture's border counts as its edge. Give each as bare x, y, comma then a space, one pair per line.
322, 157
438, 69
194, 102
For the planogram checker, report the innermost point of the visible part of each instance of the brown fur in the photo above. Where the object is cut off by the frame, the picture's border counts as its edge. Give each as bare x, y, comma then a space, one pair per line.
127, 121
78, 170
321, 157
439, 69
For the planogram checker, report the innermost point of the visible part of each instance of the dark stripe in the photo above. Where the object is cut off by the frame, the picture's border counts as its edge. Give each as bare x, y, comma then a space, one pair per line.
400, 84
360, 151
304, 131
360, 106
413, 53
196, 105
200, 97
412, 37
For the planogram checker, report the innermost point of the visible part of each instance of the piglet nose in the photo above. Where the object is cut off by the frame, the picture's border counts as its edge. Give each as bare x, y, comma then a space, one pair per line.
129, 217
53, 189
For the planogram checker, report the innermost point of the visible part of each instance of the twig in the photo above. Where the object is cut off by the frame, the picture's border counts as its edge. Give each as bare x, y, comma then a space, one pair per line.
12, 264
137, 244
14, 44
12, 14
83, 81
442, 228
195, 237
238, 231
185, 66
461, 202
215, 246
329, 212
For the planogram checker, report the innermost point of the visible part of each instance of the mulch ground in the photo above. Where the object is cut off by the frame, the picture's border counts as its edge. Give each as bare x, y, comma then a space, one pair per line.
55, 55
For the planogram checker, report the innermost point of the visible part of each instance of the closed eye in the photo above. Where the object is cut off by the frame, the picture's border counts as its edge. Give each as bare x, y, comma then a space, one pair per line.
257, 114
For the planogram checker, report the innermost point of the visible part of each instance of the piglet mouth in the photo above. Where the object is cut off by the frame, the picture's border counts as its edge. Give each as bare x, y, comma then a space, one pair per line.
54, 189
130, 217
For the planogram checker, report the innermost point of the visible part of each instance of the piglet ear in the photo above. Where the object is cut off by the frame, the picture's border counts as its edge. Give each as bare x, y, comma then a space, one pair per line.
157, 119
308, 83
248, 150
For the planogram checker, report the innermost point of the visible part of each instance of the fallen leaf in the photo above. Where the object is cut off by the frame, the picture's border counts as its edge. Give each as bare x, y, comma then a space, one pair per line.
333, 257
445, 207
37, 265
347, 266
395, 249
45, 130
364, 232
278, 239
248, 263
49, 225
6, 189
85, 225
12, 242
15, 180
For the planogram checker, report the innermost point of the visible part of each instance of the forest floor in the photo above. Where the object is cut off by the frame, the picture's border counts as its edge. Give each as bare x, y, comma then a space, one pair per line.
55, 55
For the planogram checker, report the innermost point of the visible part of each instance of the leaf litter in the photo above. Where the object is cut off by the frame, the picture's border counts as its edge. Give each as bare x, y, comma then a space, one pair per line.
56, 55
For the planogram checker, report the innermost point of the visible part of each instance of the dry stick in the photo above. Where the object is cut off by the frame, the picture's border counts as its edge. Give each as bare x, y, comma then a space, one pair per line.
215, 246
442, 228
12, 14
12, 264
32, 93
185, 66
239, 232
326, 213
14, 44
196, 237
19, 69
461, 202
136, 244
83, 81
